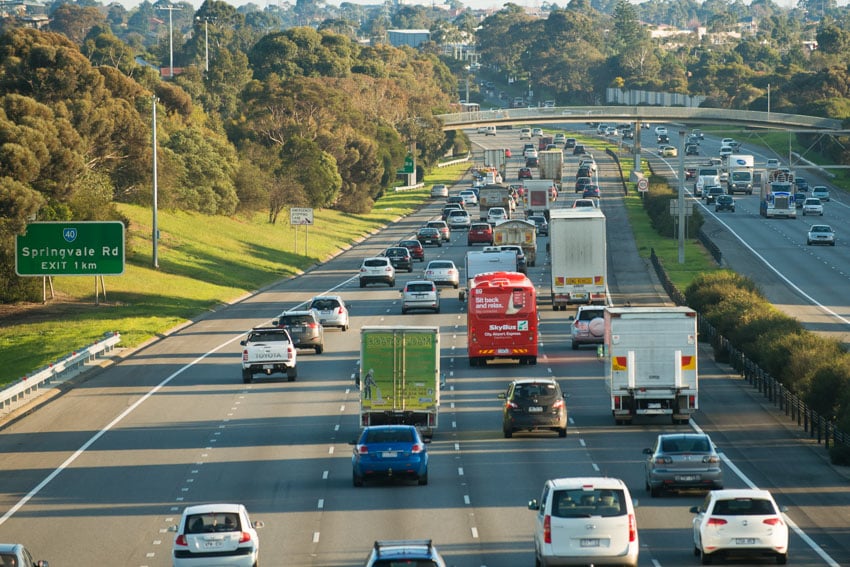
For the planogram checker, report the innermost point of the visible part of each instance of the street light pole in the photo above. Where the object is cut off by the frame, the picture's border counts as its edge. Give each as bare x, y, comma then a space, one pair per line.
681, 200
206, 46
155, 231
170, 40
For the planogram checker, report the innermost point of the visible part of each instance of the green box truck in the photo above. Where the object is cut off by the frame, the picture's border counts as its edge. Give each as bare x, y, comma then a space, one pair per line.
399, 377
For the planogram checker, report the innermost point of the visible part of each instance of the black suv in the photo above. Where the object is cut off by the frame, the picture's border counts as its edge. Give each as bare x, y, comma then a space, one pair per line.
532, 404
304, 328
724, 203
400, 258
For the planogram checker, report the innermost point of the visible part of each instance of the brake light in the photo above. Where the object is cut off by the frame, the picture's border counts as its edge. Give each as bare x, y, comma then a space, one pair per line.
388, 268
558, 404
547, 529
245, 537
616, 401
363, 449
181, 540
416, 448
312, 325
632, 528
692, 401
773, 521
711, 459
245, 355
663, 460
511, 405
717, 522
340, 310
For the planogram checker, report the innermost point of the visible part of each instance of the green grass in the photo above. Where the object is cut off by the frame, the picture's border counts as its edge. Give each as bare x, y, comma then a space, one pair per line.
204, 262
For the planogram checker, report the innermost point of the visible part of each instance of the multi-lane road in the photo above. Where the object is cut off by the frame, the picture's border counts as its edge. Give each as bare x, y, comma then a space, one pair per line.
98, 475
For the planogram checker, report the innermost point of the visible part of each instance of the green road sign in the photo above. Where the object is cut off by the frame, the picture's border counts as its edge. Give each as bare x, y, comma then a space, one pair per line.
408, 166
73, 248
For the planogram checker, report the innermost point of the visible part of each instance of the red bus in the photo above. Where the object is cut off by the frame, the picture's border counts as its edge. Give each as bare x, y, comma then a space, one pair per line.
501, 321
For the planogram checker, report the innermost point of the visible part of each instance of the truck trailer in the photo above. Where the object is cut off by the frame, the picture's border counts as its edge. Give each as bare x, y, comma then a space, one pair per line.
399, 378
651, 362
579, 257
551, 164
519, 232
539, 196
740, 169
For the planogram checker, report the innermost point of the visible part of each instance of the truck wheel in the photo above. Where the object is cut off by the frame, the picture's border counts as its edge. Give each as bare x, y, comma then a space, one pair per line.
555, 307
247, 376
320, 349
292, 373
473, 361
532, 360
508, 433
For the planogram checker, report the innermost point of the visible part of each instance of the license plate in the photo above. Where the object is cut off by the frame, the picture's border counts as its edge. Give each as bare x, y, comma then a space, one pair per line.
745, 541
653, 405
580, 296
268, 366
504, 351
389, 454
211, 544
535, 409
589, 542
686, 477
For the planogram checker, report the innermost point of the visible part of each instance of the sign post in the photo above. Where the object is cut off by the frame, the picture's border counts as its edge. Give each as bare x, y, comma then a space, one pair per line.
300, 216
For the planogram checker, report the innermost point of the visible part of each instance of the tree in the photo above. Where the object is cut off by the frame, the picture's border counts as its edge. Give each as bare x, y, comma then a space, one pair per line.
75, 22
315, 170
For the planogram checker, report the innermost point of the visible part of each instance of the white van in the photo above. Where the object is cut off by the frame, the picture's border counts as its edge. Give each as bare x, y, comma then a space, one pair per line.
487, 130
585, 521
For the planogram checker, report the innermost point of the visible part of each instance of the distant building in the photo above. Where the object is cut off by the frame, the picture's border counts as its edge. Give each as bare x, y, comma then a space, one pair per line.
413, 38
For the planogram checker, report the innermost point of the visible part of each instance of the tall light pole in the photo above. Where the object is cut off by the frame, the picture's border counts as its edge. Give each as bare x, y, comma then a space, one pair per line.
155, 232
170, 40
206, 45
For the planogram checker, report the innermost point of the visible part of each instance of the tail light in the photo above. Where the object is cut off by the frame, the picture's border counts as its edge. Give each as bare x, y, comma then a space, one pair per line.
312, 325
290, 352
663, 461
558, 404
245, 355
388, 268
181, 541
711, 459
416, 449
632, 529
363, 449
340, 310
616, 401
245, 537
692, 401
773, 521
717, 522
547, 529
511, 405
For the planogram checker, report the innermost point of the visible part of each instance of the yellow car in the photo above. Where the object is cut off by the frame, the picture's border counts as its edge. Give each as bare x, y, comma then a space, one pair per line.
668, 151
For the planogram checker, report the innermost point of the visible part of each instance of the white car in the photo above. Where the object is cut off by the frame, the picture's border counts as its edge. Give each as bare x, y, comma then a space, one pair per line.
821, 192
725, 151
590, 203
18, 555
332, 311
420, 294
740, 522
812, 206
469, 197
727, 141
529, 152
588, 326
525, 134
495, 215
772, 163
442, 272
559, 139
439, 190
458, 218
660, 130
378, 269
585, 521
820, 234
537, 131
216, 534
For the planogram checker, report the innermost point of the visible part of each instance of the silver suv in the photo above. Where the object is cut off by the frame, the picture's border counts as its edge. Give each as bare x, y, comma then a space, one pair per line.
420, 294
405, 552
305, 329
377, 270
588, 326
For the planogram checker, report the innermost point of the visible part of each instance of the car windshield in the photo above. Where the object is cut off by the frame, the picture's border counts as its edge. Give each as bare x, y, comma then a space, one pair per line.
534, 390
394, 252
583, 503
375, 263
296, 319
389, 436
685, 444
212, 522
440, 265
420, 287
589, 314
821, 229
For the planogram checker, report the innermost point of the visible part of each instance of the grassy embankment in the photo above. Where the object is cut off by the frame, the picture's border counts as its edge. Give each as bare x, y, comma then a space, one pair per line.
205, 262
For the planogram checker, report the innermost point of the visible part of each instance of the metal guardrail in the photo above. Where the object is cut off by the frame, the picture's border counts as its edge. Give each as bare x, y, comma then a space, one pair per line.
818, 426
666, 114
63, 369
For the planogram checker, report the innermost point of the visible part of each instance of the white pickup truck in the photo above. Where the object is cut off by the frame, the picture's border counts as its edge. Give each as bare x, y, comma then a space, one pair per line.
268, 350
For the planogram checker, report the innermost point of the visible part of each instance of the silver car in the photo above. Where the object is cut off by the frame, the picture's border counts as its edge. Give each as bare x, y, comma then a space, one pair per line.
682, 461
332, 311
820, 234
458, 219
420, 294
443, 272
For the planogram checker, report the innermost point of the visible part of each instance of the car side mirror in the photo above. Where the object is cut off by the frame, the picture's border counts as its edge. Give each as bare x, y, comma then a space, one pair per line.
647, 451
243, 343
502, 396
533, 504
258, 524
695, 510
276, 323
571, 318
172, 528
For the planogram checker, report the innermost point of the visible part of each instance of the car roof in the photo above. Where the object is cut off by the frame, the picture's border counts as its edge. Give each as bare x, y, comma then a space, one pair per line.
440, 262
534, 381
209, 508
381, 258
594, 481
729, 493
297, 312
10, 547
429, 282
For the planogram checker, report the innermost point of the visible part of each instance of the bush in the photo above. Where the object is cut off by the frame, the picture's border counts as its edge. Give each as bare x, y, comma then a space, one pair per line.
656, 202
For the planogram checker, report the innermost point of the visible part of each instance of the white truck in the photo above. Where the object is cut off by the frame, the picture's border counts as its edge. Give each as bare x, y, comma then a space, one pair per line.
777, 200
551, 164
579, 256
495, 158
520, 232
707, 175
267, 350
740, 168
489, 259
399, 379
538, 196
651, 362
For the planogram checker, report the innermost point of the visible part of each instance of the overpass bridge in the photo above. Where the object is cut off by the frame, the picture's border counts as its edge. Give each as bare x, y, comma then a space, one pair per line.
639, 114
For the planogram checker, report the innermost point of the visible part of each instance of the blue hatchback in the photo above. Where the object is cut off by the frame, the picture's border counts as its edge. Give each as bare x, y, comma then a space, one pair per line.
389, 451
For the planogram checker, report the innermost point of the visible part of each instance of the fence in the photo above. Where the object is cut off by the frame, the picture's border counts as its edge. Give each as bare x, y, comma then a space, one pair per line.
30, 386
820, 428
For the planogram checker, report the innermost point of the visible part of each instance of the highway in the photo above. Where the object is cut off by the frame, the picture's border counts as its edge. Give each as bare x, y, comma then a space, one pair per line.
99, 474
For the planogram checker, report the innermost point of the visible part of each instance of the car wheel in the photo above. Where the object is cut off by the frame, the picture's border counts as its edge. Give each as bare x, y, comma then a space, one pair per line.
423, 480
437, 310
292, 373
696, 551
705, 558
655, 491
247, 376
562, 432
403, 311
508, 433
345, 327
410, 269
357, 480
782, 559
320, 349
574, 345
808, 242
362, 284
392, 283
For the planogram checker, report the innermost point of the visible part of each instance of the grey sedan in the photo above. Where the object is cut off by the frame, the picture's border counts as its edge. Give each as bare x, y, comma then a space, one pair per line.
680, 461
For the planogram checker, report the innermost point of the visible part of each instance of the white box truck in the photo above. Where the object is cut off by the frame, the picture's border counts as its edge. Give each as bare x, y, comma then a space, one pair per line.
490, 259
651, 362
538, 196
399, 377
740, 168
551, 164
579, 257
